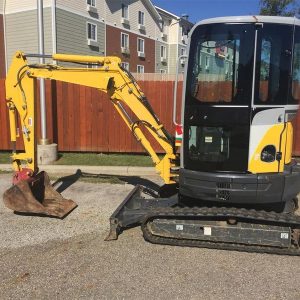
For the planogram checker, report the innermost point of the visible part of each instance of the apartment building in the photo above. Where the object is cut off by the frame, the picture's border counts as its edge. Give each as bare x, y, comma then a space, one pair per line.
131, 31
174, 33
148, 39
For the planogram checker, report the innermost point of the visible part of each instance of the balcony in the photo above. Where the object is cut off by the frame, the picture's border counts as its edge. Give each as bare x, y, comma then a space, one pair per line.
91, 9
141, 27
163, 35
163, 59
125, 21
141, 54
92, 43
125, 50
184, 39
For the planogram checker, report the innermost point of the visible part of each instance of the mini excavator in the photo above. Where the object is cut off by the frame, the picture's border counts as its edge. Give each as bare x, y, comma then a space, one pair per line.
234, 185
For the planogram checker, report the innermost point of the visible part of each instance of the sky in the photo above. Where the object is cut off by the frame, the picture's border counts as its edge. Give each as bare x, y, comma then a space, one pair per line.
203, 9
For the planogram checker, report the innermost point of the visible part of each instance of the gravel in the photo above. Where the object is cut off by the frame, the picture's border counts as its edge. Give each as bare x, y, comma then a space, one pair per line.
68, 259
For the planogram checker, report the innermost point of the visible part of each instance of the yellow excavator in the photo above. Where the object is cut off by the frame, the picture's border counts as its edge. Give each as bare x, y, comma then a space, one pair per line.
235, 183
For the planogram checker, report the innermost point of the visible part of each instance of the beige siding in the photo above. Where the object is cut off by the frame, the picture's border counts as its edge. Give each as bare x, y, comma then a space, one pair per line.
77, 41
173, 54
22, 32
80, 7
173, 32
114, 14
1, 7
13, 6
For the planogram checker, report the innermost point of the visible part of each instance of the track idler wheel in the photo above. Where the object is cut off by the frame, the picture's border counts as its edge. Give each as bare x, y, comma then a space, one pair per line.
37, 196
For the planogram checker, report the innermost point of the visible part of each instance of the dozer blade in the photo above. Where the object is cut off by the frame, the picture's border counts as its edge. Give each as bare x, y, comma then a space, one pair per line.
37, 196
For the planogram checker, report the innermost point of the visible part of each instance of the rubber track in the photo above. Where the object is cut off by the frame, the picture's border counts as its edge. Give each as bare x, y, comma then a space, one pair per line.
251, 215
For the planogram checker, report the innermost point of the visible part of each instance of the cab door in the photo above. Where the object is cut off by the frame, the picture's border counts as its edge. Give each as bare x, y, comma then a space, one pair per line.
270, 98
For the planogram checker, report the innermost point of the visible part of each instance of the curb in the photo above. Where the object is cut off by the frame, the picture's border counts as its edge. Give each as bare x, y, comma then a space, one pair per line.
109, 170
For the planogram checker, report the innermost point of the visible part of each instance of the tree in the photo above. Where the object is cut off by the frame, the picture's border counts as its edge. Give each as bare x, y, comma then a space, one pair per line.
279, 7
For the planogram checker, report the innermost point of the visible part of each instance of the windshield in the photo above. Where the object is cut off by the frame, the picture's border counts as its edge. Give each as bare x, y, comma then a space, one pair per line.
220, 64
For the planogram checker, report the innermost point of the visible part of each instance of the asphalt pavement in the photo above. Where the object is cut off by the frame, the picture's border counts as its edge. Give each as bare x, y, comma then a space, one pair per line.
47, 258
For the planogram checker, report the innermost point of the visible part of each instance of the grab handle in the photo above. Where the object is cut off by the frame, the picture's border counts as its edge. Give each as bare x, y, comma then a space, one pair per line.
175, 88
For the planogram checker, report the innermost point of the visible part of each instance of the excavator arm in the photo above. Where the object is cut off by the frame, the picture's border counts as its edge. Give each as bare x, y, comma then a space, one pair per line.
108, 77
32, 191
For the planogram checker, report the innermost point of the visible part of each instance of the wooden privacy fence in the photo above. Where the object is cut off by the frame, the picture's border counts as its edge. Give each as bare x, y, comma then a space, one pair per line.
83, 119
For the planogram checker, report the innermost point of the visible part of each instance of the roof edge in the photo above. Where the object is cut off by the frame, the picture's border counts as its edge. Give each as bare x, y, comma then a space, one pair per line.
153, 9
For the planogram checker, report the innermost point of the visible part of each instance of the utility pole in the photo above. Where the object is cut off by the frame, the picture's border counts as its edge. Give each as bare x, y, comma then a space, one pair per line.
43, 140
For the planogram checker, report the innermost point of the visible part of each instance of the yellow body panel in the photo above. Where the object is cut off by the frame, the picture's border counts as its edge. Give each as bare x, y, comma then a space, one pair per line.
272, 137
122, 89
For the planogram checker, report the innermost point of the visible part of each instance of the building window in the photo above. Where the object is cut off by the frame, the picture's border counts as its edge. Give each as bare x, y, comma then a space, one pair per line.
140, 69
140, 45
91, 2
163, 71
92, 32
141, 18
125, 11
163, 52
182, 51
125, 65
124, 40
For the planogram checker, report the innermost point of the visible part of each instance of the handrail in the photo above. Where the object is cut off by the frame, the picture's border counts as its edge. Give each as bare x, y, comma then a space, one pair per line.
175, 89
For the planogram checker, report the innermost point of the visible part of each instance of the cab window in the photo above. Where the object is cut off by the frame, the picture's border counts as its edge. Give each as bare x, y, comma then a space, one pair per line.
273, 65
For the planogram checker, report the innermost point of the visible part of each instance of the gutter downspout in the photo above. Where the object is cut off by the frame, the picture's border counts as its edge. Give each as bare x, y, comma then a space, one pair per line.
4, 32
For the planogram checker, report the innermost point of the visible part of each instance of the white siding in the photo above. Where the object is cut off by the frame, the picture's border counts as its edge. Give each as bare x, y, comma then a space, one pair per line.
13, 6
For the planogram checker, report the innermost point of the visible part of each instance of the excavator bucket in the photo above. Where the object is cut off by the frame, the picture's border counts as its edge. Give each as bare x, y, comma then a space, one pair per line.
37, 196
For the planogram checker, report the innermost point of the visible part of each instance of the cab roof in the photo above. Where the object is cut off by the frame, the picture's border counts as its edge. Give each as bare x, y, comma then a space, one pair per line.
252, 19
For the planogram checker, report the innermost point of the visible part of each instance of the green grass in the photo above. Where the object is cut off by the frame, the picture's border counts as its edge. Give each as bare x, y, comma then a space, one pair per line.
93, 179
5, 172
94, 159
4, 157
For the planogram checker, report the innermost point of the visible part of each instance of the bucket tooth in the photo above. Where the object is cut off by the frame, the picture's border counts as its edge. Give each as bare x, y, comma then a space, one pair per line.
37, 196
